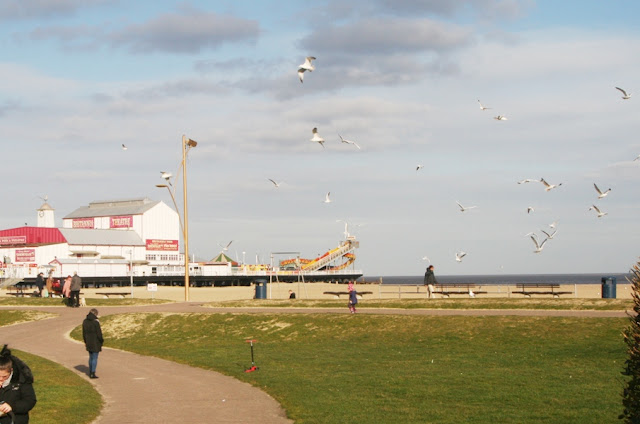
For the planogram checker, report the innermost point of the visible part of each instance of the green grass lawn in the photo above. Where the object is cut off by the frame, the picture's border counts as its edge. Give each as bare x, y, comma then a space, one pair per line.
326, 368
453, 303
63, 397
56, 301
8, 317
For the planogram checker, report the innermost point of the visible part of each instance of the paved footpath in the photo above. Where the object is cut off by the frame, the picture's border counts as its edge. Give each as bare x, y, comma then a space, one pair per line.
140, 389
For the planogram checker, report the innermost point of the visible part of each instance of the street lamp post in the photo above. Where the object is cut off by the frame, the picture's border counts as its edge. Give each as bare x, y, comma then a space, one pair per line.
187, 143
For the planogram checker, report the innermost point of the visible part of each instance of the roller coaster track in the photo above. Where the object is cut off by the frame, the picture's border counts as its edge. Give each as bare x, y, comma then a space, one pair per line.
344, 250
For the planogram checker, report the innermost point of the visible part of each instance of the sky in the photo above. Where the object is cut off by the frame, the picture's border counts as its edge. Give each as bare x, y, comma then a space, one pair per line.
401, 78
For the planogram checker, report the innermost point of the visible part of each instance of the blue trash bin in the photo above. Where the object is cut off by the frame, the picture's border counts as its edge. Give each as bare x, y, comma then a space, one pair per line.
608, 287
261, 289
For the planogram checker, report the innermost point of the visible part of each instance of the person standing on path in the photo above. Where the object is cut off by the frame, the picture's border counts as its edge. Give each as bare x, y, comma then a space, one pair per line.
92, 336
76, 286
430, 281
353, 298
40, 283
17, 396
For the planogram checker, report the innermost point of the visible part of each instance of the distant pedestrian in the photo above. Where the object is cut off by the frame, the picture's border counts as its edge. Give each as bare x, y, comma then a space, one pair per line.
40, 283
76, 286
66, 291
92, 336
292, 294
49, 283
17, 396
430, 281
353, 298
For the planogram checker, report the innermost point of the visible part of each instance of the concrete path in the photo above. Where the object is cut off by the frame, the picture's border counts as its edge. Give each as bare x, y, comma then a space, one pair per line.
139, 389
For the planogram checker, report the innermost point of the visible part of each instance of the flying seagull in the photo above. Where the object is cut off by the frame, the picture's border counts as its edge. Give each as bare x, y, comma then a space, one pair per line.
601, 193
625, 96
637, 158
306, 66
500, 118
464, 208
540, 246
600, 213
327, 199
274, 183
166, 176
549, 236
419, 167
530, 209
424, 258
548, 186
344, 140
482, 107
225, 248
528, 180
460, 255
124, 147
316, 137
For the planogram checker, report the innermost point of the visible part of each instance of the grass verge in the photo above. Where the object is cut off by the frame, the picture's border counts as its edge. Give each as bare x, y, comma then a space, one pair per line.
326, 368
16, 317
40, 301
497, 303
63, 397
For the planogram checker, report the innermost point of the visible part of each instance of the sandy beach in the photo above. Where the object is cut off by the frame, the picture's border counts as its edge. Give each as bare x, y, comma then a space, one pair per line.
328, 290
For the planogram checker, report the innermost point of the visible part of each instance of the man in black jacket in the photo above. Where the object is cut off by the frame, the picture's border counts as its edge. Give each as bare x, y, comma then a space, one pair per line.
17, 396
92, 336
430, 280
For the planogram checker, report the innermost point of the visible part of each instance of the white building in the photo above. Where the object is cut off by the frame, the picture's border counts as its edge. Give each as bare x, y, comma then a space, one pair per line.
104, 238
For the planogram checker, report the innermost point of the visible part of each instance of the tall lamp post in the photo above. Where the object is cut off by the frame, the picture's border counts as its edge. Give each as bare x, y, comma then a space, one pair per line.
187, 144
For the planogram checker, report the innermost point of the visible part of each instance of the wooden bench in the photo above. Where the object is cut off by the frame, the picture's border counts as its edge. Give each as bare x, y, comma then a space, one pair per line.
527, 289
447, 289
108, 295
337, 294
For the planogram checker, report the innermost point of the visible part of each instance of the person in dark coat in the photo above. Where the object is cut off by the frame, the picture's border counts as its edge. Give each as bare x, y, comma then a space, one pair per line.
92, 336
430, 280
17, 396
40, 283
76, 286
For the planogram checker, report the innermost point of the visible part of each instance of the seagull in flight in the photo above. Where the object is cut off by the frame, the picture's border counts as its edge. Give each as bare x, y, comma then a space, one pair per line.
274, 183
460, 255
344, 140
316, 137
500, 118
549, 236
424, 258
625, 96
601, 193
637, 158
306, 66
419, 167
225, 248
528, 180
124, 147
530, 209
327, 199
482, 107
464, 208
548, 186
600, 213
553, 224
540, 246
166, 176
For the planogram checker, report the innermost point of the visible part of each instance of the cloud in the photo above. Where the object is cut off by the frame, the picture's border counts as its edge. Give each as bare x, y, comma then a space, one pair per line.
189, 32
32, 9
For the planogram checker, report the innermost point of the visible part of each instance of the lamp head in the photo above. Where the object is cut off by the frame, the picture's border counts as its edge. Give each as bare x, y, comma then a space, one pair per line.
162, 185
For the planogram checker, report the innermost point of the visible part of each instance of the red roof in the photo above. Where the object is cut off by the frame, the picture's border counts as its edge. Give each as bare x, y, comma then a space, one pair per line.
30, 236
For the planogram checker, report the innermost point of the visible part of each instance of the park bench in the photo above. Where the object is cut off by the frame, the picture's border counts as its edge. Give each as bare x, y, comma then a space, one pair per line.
447, 289
527, 289
337, 294
108, 295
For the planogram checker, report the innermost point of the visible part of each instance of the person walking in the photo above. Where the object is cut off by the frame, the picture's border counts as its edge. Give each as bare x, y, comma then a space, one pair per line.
17, 396
430, 281
76, 286
92, 336
40, 283
353, 298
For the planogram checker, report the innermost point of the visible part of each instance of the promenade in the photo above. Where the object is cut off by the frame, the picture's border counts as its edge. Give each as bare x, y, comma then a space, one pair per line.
139, 389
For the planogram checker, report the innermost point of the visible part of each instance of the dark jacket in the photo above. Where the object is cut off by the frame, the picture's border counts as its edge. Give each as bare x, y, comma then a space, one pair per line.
92, 333
430, 278
19, 393
39, 281
76, 283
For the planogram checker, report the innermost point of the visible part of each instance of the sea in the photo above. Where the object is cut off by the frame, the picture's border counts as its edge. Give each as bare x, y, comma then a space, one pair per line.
502, 279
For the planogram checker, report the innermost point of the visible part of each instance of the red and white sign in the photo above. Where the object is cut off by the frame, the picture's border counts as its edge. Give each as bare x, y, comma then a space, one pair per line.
163, 245
13, 239
25, 255
121, 221
83, 223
